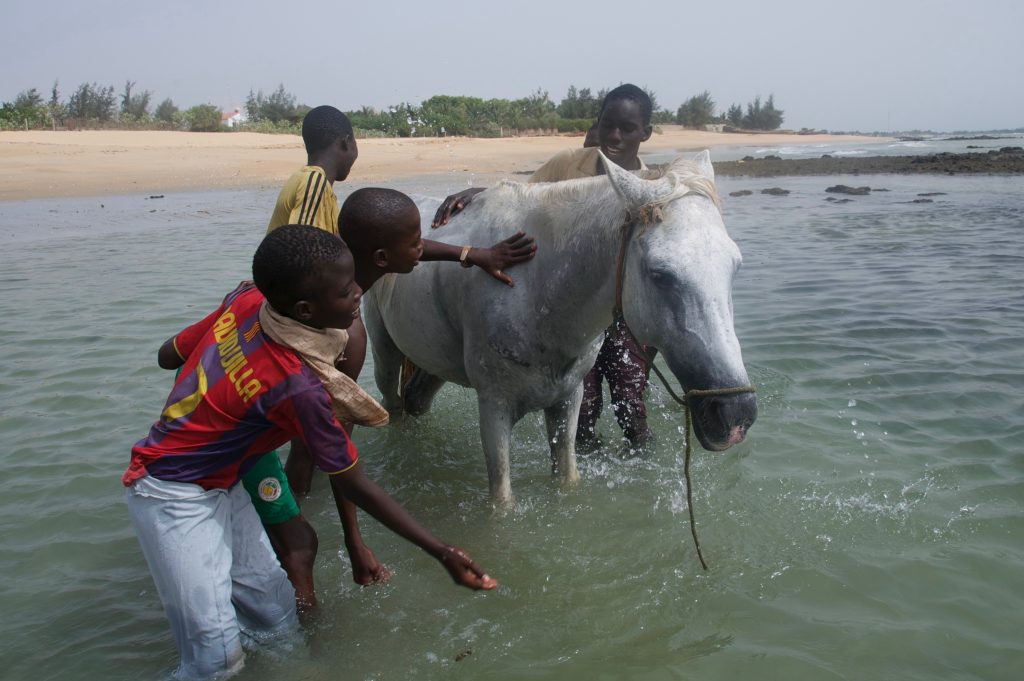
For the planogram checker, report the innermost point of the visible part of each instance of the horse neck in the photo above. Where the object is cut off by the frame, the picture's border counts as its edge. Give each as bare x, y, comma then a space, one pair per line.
579, 236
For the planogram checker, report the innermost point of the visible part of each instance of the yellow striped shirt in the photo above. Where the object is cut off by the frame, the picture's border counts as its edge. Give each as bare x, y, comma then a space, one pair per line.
306, 199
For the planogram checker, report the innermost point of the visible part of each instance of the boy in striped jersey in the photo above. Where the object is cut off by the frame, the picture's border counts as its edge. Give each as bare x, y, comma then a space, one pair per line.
240, 394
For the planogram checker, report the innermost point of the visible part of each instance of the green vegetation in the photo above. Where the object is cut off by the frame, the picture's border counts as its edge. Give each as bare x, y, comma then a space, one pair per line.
135, 107
96, 106
92, 102
27, 110
697, 111
203, 118
166, 112
279, 108
761, 117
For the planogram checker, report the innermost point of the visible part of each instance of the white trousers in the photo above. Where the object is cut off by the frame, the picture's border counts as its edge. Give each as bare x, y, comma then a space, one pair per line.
214, 570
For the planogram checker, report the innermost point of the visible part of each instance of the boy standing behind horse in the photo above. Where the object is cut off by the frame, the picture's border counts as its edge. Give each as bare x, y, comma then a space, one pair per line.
624, 122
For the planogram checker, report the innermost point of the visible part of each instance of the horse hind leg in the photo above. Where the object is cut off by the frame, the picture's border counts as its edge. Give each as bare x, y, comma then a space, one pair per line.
561, 421
419, 392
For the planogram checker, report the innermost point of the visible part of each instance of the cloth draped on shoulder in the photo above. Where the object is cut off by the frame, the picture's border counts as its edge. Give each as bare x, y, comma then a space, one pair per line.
319, 348
572, 164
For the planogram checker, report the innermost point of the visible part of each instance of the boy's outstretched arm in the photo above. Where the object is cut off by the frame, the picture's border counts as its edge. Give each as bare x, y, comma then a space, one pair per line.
366, 569
355, 486
512, 251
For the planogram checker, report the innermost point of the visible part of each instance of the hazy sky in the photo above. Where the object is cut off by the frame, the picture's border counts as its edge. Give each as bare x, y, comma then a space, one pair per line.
871, 65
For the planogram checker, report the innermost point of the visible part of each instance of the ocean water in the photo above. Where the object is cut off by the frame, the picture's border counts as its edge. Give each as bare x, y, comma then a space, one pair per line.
871, 526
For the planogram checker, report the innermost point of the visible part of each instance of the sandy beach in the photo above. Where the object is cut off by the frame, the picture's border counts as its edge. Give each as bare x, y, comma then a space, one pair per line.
42, 164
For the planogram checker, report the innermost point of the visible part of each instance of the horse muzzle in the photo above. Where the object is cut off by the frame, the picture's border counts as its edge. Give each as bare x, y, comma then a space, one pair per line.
722, 421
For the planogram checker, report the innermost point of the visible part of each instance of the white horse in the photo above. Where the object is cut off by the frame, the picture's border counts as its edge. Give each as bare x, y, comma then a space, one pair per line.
528, 348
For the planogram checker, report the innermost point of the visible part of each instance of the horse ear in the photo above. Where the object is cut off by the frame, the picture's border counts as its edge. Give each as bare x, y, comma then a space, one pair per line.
703, 161
635, 192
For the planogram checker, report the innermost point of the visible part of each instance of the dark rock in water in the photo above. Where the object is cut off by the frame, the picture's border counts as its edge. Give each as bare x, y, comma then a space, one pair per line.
1011, 150
932, 194
974, 146
838, 201
922, 201
775, 191
772, 157
826, 155
832, 199
852, 191
749, 158
741, 192
880, 189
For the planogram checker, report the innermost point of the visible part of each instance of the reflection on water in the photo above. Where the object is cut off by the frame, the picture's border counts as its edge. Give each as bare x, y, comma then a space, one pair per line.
872, 521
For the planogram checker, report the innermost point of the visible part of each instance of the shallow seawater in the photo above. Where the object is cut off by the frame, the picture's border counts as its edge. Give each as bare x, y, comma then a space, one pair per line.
871, 526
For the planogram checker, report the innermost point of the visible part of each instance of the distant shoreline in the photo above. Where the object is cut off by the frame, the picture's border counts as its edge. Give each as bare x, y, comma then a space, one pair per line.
44, 164
1005, 161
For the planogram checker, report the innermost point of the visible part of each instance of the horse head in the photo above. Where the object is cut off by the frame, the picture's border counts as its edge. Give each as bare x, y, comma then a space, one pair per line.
676, 290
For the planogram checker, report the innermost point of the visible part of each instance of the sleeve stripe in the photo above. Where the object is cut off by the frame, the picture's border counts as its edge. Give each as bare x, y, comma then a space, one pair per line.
174, 344
347, 468
316, 208
314, 188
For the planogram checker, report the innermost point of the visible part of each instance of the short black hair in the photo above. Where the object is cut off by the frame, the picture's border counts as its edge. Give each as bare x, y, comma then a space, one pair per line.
370, 218
322, 126
632, 92
290, 261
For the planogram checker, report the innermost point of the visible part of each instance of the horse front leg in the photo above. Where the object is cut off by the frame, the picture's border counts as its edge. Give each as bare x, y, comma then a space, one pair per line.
561, 420
496, 420
387, 361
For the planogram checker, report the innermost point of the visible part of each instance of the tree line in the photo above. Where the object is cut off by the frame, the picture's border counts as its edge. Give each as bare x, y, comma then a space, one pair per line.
699, 111
576, 112
94, 105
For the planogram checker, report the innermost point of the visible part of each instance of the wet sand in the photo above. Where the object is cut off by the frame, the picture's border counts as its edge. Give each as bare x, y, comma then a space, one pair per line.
43, 164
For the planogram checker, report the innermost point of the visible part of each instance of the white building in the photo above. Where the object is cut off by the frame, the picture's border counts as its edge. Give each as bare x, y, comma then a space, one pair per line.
232, 118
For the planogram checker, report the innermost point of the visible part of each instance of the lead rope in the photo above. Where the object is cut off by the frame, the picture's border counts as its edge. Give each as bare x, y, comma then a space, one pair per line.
684, 401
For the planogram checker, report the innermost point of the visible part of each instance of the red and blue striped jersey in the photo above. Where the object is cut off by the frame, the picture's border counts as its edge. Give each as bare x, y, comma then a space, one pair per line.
239, 396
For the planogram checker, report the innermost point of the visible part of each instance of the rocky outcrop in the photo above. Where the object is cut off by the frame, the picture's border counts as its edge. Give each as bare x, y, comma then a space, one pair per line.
1004, 161
852, 191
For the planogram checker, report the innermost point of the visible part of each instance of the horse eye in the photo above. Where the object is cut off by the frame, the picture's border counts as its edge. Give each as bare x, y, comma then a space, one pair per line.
663, 279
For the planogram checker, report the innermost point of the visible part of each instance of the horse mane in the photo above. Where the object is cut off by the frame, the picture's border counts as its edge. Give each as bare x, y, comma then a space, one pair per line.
683, 177
601, 207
